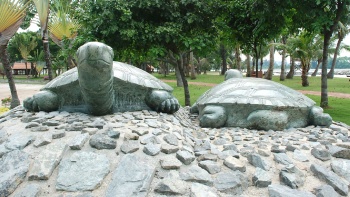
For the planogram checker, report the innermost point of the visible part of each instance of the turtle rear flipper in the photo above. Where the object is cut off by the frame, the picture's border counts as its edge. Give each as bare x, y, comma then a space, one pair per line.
42, 101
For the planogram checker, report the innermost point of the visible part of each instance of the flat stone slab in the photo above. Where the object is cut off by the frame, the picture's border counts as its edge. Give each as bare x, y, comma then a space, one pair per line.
78, 141
31, 190
257, 161
200, 190
196, 174
101, 141
342, 168
82, 171
13, 169
284, 191
18, 141
132, 177
231, 182
261, 178
46, 161
331, 178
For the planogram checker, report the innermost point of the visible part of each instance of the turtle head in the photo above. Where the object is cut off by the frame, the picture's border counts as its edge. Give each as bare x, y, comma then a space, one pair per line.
95, 74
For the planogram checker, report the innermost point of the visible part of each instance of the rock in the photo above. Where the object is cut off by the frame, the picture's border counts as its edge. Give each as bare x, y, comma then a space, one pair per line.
283, 191
130, 146
58, 134
170, 163
300, 156
140, 131
32, 124
185, 157
331, 178
13, 169
18, 141
277, 149
235, 164
326, 191
150, 138
342, 168
171, 185
264, 153
46, 161
261, 178
339, 152
282, 158
211, 166
196, 174
132, 177
151, 149
231, 182
292, 176
257, 161
321, 154
78, 141
101, 141
200, 190
131, 136
42, 140
344, 145
51, 123
90, 131
31, 190
168, 149
3, 136
113, 134
207, 157
171, 139
82, 171
3, 150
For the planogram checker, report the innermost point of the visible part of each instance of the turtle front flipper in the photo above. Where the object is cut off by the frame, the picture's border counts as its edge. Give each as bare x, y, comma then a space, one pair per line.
268, 119
318, 118
162, 101
42, 101
213, 117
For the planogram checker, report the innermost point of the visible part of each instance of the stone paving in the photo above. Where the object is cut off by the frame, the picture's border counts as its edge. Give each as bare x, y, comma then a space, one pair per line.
145, 153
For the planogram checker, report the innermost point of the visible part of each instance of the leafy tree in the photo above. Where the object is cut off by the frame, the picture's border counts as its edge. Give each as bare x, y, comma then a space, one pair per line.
12, 13
174, 27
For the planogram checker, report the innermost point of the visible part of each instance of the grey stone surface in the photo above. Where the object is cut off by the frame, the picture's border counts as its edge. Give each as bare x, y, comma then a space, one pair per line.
13, 169
300, 156
196, 174
151, 149
130, 146
185, 157
78, 141
257, 161
90, 131
235, 164
342, 168
321, 154
30, 190
231, 182
3, 136
211, 166
43, 140
171, 139
58, 134
132, 177
46, 161
326, 191
282, 158
224, 106
170, 163
171, 185
98, 92
19, 141
292, 176
284, 191
101, 141
331, 178
3, 150
150, 138
82, 171
200, 190
339, 152
261, 178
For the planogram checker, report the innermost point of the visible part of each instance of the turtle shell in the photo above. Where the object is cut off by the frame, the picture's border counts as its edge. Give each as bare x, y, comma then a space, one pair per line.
122, 71
254, 91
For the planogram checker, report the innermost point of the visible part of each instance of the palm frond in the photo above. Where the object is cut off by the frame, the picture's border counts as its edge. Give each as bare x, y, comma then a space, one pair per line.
43, 8
11, 11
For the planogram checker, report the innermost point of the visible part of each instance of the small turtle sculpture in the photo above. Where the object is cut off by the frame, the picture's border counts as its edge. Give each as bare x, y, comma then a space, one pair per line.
257, 104
99, 86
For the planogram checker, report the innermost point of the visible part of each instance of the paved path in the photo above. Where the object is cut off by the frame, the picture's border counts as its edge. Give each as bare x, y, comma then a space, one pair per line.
27, 90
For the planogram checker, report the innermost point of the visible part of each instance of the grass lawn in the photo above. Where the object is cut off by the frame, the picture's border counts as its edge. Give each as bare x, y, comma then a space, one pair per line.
339, 107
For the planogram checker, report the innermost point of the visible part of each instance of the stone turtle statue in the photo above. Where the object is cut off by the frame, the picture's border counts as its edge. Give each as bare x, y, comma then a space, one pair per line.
99, 86
257, 104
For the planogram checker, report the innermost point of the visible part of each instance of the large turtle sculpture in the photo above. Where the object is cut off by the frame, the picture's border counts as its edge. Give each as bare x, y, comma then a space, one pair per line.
257, 104
99, 86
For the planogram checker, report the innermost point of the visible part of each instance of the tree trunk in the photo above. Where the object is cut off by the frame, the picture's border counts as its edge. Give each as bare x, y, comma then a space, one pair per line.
283, 64
47, 52
193, 70
324, 85
8, 71
261, 63
290, 74
272, 62
178, 76
319, 61
223, 58
238, 56
304, 73
26, 64
184, 81
330, 74
248, 65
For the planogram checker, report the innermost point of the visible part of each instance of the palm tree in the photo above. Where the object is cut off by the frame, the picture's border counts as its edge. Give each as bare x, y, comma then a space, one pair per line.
12, 13
43, 8
25, 43
272, 62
